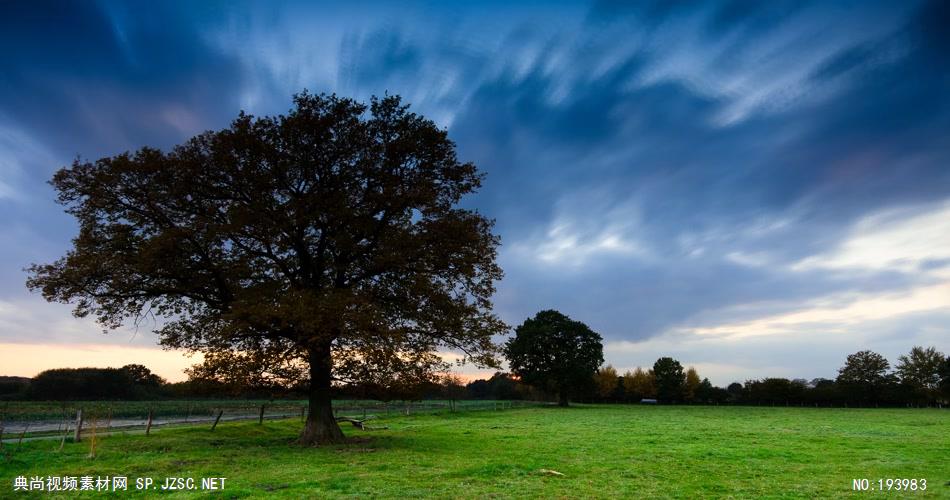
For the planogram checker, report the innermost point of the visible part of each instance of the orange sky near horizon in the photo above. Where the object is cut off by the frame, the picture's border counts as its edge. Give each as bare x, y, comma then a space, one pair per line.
27, 360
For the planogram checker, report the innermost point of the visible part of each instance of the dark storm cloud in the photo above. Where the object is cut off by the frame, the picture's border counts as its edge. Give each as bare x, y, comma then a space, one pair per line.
91, 78
878, 140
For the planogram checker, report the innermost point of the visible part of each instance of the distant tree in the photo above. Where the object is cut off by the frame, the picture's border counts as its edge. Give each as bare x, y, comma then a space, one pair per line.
670, 379
326, 244
775, 390
605, 379
629, 389
503, 386
552, 351
796, 390
822, 391
639, 384
945, 379
735, 391
691, 384
620, 393
920, 369
478, 389
705, 392
12, 388
62, 384
195, 388
453, 388
142, 376
864, 376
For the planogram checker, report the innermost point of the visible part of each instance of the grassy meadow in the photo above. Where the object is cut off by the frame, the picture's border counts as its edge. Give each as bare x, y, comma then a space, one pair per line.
602, 451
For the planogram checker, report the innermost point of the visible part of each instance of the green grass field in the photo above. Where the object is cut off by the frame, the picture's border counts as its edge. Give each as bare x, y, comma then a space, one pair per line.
602, 451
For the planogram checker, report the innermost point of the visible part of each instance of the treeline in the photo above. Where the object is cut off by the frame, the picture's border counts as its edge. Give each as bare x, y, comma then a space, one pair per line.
129, 383
920, 378
136, 382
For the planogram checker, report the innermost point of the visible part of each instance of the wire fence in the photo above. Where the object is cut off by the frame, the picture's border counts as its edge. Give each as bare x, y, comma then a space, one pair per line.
36, 420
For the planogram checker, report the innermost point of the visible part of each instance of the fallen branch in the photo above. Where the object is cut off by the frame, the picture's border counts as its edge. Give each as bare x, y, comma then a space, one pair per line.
361, 424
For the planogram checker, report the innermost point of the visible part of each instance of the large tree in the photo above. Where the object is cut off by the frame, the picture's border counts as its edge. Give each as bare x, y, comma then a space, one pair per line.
553, 352
325, 245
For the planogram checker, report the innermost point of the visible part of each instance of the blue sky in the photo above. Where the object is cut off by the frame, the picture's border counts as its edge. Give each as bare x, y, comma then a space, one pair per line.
755, 188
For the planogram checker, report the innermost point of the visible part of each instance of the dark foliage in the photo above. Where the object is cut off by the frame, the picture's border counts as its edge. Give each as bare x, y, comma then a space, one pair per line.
12, 388
670, 379
316, 247
126, 383
555, 353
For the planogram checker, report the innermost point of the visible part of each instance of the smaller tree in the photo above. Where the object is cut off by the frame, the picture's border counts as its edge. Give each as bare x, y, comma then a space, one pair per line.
691, 384
552, 351
670, 379
453, 387
736, 392
605, 379
140, 375
945, 379
710, 394
864, 375
920, 369
639, 384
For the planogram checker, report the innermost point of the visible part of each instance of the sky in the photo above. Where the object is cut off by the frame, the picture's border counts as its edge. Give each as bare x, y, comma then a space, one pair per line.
754, 188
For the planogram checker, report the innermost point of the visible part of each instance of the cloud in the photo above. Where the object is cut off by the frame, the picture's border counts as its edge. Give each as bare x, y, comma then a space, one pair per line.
31, 320
807, 352
109, 78
906, 239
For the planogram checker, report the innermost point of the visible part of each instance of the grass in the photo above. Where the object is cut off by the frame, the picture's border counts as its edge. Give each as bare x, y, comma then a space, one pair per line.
603, 451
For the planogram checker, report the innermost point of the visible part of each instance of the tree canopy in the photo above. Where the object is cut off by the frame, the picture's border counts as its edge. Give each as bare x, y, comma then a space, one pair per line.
920, 368
606, 381
554, 352
866, 371
670, 379
325, 245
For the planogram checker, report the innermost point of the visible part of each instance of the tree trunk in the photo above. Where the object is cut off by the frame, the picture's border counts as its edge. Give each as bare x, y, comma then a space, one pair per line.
321, 426
562, 398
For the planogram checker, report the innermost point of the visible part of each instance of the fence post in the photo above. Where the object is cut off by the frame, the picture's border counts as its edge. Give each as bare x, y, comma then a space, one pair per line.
19, 441
78, 435
148, 422
216, 419
260, 420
